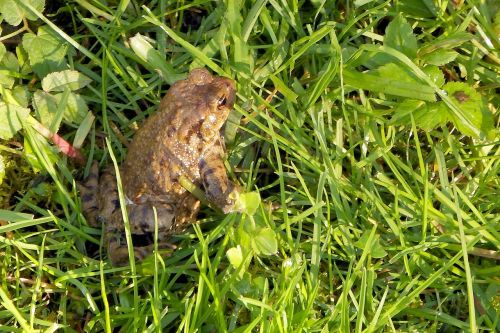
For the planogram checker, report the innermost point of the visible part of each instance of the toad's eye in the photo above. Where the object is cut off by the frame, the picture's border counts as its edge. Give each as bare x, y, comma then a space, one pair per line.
222, 102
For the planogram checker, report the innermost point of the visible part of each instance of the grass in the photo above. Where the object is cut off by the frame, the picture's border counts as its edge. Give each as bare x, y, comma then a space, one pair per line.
369, 129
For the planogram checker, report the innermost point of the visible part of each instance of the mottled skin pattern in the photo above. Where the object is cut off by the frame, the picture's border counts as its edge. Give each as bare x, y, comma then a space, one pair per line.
181, 139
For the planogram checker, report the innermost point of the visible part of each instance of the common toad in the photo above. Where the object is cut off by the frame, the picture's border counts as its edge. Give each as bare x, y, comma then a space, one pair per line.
182, 139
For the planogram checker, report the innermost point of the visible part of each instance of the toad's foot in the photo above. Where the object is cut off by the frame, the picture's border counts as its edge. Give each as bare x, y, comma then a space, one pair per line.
142, 221
89, 189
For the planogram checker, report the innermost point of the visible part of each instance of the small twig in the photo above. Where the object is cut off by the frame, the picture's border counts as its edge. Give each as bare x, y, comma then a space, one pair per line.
26, 25
64, 146
13, 34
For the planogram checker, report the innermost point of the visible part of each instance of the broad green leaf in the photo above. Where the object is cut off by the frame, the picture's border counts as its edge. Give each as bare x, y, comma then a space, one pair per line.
377, 250
45, 106
9, 69
247, 203
21, 95
418, 8
390, 79
395, 72
399, 35
431, 115
46, 51
12, 118
10, 62
76, 108
426, 115
14, 13
23, 61
235, 256
440, 57
435, 74
58, 81
402, 111
265, 242
470, 101
246, 232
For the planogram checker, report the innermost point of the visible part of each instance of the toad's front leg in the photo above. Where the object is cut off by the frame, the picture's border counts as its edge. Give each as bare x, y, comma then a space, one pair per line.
219, 189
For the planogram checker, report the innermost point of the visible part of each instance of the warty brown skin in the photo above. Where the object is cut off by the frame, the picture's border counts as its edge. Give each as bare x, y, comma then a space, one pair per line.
182, 139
